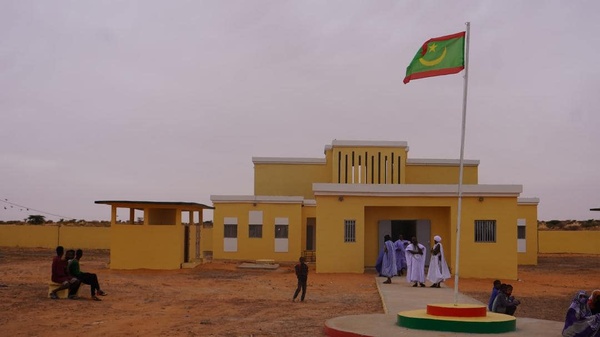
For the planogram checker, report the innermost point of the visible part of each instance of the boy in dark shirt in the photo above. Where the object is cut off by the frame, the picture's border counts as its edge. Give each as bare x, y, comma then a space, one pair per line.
86, 278
302, 275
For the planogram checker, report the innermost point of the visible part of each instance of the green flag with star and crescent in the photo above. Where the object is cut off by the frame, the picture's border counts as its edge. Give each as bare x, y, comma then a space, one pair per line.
443, 55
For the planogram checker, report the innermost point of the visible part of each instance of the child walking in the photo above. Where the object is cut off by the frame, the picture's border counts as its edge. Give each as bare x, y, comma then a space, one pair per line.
302, 275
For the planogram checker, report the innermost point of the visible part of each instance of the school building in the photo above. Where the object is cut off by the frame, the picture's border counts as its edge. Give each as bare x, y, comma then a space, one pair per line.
336, 209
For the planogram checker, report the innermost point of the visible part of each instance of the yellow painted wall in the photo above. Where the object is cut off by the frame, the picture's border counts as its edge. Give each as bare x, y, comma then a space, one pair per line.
333, 254
336, 256
491, 260
48, 236
161, 216
145, 246
428, 174
342, 167
529, 213
257, 248
576, 242
288, 179
206, 241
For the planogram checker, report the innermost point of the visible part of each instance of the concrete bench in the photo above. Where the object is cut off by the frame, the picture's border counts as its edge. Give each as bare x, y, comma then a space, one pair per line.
265, 261
61, 293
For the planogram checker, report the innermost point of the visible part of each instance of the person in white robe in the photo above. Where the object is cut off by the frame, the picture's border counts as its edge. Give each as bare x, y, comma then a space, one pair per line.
388, 267
438, 270
415, 259
400, 255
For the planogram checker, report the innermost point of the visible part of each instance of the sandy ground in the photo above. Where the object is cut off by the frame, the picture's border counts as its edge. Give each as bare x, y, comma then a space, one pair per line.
218, 299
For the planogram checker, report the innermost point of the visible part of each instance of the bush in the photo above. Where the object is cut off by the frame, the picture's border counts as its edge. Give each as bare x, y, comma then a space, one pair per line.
555, 224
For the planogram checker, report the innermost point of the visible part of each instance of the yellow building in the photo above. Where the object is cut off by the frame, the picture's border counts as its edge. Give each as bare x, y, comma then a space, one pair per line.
335, 210
160, 238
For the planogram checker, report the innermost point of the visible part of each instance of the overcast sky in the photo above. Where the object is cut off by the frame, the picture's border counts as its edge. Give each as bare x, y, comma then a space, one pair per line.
170, 100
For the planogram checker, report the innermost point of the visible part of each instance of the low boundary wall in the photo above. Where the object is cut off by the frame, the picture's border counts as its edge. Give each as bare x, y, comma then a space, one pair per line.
50, 236
574, 242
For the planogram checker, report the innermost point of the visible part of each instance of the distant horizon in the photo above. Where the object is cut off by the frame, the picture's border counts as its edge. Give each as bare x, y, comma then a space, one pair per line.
211, 219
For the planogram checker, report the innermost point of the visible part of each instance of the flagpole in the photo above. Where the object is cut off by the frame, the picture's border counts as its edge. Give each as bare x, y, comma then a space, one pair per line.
460, 171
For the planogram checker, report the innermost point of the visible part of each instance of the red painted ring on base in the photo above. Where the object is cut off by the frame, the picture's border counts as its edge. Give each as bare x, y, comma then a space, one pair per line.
448, 311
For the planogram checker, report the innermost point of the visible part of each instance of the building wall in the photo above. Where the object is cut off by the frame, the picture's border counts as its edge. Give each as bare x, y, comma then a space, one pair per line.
575, 242
428, 174
489, 260
476, 258
288, 179
348, 165
333, 254
257, 248
146, 246
529, 213
51, 236
206, 242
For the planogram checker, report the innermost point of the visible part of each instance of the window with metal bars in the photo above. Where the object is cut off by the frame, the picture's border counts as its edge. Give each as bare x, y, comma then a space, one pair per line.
349, 230
230, 231
485, 231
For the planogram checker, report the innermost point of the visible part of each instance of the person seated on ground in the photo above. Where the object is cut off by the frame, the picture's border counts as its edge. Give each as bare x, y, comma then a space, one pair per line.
495, 291
579, 321
86, 278
505, 303
61, 275
594, 302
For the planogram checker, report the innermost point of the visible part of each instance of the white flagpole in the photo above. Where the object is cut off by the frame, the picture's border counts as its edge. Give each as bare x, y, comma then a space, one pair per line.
462, 152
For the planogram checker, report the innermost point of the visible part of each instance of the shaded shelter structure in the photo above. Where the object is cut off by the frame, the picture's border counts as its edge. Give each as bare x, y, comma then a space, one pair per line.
155, 236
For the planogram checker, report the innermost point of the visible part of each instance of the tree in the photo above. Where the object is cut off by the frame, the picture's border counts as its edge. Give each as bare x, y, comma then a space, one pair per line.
36, 219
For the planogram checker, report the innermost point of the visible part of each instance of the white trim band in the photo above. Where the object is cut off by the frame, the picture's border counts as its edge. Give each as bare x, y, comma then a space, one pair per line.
528, 201
441, 162
406, 190
288, 160
265, 199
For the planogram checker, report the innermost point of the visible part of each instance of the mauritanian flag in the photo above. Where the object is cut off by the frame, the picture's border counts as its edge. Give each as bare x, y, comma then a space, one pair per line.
439, 56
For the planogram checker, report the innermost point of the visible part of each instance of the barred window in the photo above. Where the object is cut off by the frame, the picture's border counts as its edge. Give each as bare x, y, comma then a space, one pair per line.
521, 228
230, 231
521, 232
281, 231
349, 230
255, 219
485, 230
255, 231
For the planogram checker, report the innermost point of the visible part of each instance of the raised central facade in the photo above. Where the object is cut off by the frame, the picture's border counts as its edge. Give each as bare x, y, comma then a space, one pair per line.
335, 211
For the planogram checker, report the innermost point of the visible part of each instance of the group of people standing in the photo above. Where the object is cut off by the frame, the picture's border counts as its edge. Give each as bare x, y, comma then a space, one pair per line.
66, 272
410, 256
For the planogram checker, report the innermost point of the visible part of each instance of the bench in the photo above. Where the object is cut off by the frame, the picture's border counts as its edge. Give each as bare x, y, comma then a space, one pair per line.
265, 261
61, 293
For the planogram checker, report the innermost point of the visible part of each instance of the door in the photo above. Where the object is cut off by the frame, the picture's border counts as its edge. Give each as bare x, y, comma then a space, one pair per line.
385, 228
310, 233
424, 236
186, 243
